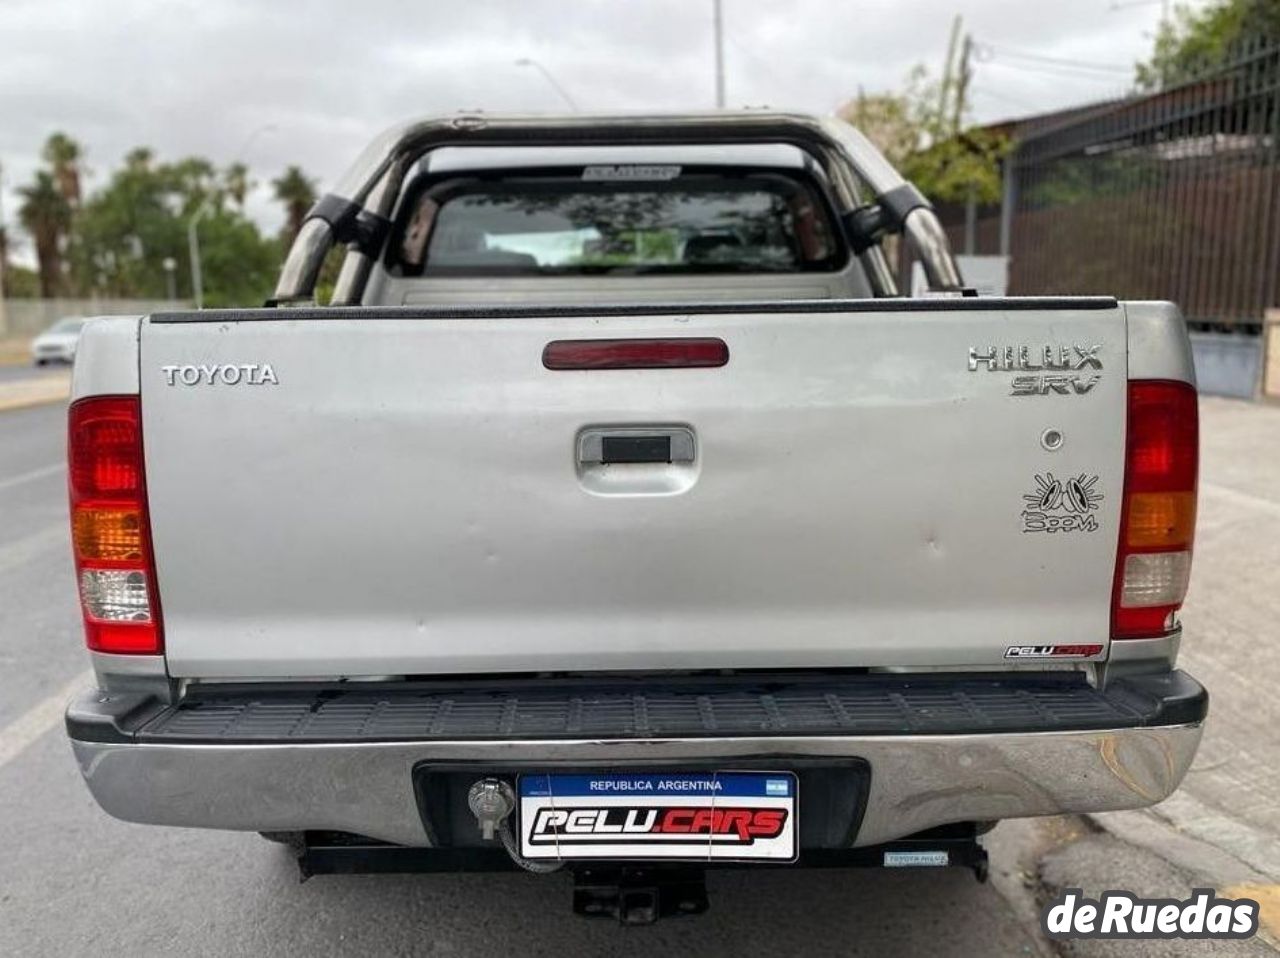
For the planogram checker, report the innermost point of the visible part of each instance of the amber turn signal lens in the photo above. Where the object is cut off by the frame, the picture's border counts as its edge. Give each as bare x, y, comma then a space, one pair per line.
110, 534
1161, 519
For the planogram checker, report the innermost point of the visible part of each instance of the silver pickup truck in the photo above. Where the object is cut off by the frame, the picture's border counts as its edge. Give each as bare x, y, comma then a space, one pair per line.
620, 516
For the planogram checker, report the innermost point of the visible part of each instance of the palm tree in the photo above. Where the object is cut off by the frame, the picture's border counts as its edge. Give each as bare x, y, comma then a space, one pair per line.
46, 215
138, 160
64, 155
298, 194
238, 185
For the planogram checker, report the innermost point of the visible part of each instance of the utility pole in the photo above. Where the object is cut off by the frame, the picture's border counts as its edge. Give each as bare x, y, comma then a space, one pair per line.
719, 25
964, 75
948, 68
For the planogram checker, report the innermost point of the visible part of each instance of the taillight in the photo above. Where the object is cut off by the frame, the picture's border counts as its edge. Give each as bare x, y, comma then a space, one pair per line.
1158, 516
110, 532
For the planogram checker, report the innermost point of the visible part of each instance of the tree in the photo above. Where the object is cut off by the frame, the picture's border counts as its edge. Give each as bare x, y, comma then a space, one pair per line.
298, 194
63, 155
921, 132
46, 215
127, 229
1194, 41
21, 283
236, 182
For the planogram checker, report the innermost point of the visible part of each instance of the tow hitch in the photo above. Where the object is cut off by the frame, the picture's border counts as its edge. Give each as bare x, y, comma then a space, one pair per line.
639, 895
632, 893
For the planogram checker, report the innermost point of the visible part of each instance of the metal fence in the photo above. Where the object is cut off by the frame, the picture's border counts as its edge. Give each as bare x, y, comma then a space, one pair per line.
1173, 195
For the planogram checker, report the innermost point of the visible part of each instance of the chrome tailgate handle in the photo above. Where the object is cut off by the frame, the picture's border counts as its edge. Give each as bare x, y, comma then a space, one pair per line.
639, 444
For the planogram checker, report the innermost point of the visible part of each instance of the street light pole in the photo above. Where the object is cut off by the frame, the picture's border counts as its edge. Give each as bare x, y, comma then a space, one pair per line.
718, 16
193, 249
170, 284
193, 237
550, 78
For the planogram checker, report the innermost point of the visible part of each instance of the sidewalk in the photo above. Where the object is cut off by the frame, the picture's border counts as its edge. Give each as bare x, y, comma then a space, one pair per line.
36, 391
1223, 825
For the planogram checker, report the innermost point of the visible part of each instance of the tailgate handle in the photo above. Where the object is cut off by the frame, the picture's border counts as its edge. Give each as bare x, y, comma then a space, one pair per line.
661, 444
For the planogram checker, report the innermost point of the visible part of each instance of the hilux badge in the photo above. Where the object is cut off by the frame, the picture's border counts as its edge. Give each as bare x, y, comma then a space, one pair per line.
1065, 370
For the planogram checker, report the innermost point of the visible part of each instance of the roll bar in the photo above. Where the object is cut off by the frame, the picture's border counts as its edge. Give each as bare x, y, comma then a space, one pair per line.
366, 193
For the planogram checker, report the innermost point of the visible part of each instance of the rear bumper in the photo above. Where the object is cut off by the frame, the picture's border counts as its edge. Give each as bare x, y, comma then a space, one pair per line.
939, 750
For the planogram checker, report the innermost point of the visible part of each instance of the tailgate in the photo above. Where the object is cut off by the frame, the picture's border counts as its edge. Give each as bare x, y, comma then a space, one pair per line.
411, 492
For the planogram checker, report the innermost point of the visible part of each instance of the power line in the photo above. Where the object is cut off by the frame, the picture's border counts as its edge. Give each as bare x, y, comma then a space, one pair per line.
988, 51
1059, 72
1012, 100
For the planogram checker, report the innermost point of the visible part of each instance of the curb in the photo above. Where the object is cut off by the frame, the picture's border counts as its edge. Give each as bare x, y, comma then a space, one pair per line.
1199, 858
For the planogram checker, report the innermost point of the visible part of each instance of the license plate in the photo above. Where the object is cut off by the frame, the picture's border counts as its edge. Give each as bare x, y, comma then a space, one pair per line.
694, 816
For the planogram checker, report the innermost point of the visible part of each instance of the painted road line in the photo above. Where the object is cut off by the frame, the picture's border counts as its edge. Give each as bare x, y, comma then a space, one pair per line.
39, 719
41, 473
1243, 499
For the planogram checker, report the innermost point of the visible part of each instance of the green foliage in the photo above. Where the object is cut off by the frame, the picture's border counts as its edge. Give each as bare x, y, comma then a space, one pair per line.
63, 154
21, 283
128, 229
1194, 41
116, 241
298, 194
46, 216
1082, 179
921, 132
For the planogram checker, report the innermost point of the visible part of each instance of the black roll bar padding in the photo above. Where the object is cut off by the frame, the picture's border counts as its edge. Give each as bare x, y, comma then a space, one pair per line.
351, 223
865, 225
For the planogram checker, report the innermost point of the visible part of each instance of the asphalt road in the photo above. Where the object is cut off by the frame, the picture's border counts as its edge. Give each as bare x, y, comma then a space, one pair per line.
75, 882
10, 374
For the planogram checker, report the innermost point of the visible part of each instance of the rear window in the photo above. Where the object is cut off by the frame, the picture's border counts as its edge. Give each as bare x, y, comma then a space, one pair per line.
562, 225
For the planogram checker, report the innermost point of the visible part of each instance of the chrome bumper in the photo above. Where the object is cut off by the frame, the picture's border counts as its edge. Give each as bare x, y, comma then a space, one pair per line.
917, 782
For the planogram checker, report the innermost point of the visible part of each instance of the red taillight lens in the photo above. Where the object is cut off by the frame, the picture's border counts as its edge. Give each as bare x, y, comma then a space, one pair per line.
635, 353
110, 532
1157, 519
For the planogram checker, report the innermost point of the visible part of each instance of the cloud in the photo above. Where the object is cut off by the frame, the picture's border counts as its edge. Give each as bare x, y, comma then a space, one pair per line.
200, 76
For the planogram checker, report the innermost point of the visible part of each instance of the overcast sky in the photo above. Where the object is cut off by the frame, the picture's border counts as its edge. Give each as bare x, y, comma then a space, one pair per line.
201, 76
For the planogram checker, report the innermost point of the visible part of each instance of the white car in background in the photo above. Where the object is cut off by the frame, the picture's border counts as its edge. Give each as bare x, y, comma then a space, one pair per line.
57, 344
